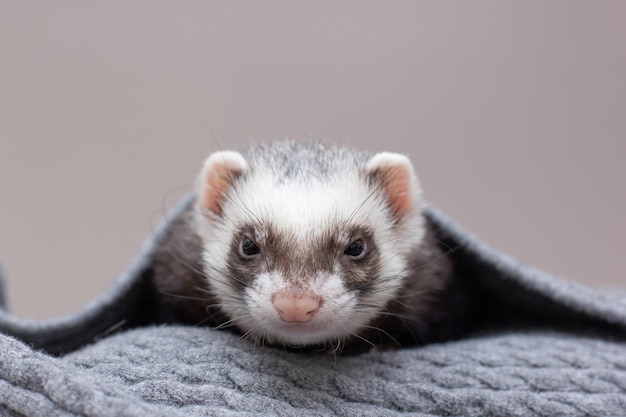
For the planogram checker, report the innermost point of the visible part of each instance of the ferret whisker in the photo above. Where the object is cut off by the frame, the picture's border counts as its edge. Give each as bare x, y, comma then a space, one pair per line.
396, 315
182, 296
431, 261
229, 274
353, 214
246, 334
411, 294
368, 306
404, 304
241, 205
448, 248
337, 348
197, 270
194, 268
372, 344
163, 211
374, 284
112, 329
386, 333
360, 206
228, 323
249, 213
202, 289
204, 320
233, 304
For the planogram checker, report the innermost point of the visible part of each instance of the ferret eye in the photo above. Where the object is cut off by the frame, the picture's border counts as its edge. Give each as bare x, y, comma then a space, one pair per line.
356, 249
248, 248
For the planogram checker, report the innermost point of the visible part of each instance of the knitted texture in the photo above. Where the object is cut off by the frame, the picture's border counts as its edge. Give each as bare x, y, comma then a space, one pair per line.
185, 371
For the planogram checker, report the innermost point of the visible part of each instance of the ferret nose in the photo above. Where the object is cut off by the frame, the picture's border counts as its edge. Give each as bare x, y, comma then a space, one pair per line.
296, 308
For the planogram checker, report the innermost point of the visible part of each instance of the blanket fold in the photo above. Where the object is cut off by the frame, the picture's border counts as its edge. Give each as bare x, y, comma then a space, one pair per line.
545, 347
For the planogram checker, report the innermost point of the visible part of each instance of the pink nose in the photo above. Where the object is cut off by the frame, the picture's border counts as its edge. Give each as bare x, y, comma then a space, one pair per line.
296, 308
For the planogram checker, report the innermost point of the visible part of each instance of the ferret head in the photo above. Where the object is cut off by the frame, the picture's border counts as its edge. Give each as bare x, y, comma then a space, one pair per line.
305, 244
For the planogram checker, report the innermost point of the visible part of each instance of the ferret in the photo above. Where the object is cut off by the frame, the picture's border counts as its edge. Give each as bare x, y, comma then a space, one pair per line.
311, 246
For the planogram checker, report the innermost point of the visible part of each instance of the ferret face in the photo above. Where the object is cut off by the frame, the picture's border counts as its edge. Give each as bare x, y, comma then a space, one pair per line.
305, 244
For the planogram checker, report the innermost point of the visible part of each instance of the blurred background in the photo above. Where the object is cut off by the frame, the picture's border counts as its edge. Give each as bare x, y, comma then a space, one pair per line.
512, 112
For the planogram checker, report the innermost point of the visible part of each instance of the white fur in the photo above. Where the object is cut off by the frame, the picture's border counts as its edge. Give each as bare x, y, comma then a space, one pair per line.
330, 322
305, 209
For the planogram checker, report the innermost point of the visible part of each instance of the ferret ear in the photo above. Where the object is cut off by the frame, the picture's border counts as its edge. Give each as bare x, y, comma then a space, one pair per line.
220, 171
394, 172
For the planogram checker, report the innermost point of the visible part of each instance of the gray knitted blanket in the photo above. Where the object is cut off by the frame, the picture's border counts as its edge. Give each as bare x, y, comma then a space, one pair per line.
552, 349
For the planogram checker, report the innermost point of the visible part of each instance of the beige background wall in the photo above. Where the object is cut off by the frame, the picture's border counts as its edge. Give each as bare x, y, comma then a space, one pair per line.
513, 113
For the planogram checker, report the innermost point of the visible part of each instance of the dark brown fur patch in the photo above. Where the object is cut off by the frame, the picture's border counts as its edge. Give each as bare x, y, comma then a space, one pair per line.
180, 280
361, 274
298, 262
242, 270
